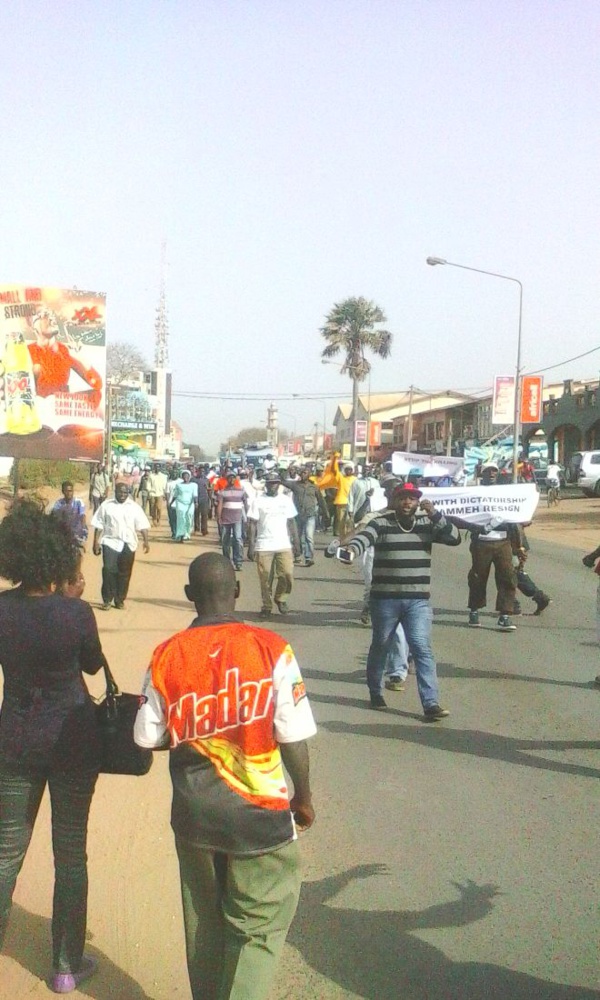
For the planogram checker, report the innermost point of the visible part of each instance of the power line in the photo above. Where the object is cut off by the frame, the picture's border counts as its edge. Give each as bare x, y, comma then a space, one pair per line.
256, 397
308, 396
538, 371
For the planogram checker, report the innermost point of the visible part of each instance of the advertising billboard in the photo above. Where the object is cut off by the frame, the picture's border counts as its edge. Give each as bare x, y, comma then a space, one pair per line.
375, 434
52, 373
531, 399
128, 437
360, 432
503, 407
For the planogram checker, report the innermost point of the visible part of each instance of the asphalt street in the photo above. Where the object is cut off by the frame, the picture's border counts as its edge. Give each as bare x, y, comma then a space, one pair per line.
448, 860
458, 859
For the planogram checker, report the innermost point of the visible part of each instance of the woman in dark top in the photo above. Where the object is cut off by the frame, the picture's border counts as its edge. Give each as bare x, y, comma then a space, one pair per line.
47, 727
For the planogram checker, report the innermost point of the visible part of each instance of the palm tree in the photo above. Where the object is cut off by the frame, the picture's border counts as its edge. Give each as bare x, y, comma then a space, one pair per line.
350, 328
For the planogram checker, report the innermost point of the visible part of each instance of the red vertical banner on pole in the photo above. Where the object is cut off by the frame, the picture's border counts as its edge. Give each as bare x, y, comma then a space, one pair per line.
531, 399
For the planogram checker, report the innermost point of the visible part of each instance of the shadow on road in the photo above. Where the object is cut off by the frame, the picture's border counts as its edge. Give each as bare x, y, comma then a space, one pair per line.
162, 603
466, 741
375, 954
320, 619
28, 942
474, 673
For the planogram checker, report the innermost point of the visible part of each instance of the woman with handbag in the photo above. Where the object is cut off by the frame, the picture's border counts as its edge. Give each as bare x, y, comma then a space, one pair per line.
48, 734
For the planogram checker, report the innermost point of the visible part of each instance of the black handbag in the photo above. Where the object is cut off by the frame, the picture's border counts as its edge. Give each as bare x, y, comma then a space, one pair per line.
115, 715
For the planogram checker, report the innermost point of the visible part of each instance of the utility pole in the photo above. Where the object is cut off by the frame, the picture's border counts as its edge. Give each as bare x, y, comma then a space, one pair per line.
410, 419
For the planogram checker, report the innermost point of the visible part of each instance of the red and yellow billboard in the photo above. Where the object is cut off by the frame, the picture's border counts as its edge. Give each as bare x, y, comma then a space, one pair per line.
52, 372
531, 399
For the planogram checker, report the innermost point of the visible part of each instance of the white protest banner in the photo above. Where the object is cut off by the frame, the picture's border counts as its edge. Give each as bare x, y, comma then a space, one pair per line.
484, 505
406, 463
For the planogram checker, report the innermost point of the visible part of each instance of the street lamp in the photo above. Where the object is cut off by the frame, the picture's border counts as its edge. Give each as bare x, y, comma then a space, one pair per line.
433, 261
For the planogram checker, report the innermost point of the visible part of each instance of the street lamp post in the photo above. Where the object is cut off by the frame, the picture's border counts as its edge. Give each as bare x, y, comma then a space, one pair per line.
433, 261
368, 447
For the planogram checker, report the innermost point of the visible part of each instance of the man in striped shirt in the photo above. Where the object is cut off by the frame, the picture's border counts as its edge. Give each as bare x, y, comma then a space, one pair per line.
402, 538
231, 504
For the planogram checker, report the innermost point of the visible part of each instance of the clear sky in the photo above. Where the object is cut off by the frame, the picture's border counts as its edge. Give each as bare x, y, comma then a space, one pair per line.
293, 155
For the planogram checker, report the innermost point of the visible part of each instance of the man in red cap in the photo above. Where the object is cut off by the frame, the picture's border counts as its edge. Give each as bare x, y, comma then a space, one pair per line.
402, 538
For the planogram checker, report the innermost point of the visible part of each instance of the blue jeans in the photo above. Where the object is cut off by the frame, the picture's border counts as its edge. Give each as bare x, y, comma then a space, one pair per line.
306, 530
396, 665
70, 796
231, 539
416, 616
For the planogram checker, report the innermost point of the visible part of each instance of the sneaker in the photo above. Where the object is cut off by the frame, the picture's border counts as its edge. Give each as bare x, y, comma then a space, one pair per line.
394, 684
365, 617
378, 701
105, 607
597, 681
474, 619
265, 613
309, 562
332, 548
282, 607
66, 982
433, 713
542, 603
505, 624
119, 605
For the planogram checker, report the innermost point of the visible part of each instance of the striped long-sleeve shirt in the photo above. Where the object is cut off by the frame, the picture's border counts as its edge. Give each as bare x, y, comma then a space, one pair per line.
402, 563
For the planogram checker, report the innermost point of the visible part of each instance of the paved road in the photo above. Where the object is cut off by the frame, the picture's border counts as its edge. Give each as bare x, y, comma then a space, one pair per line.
455, 860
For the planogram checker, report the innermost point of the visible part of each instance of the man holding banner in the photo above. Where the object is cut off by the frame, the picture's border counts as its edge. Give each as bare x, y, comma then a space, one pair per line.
493, 546
492, 514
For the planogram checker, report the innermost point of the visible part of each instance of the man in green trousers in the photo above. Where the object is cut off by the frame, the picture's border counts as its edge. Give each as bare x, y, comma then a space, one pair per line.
229, 702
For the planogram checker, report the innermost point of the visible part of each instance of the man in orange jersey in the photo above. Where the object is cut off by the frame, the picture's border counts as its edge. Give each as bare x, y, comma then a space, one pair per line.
229, 702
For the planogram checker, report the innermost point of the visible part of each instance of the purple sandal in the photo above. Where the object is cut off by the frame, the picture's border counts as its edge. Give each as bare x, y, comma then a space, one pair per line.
66, 982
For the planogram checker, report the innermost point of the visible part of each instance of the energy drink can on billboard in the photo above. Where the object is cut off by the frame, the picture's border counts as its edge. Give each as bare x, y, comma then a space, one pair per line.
21, 415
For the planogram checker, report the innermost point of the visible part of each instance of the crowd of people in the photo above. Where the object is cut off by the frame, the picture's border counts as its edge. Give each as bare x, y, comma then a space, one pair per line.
225, 698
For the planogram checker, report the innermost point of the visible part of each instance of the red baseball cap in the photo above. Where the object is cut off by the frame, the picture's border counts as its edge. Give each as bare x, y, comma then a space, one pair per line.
408, 488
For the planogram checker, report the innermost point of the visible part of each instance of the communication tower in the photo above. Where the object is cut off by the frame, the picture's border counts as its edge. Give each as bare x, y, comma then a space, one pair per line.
161, 325
161, 361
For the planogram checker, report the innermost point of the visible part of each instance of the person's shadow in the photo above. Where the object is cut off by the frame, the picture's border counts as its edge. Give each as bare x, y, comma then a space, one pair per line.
375, 954
28, 942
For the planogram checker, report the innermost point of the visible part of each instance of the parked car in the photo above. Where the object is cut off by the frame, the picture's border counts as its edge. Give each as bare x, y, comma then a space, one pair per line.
584, 471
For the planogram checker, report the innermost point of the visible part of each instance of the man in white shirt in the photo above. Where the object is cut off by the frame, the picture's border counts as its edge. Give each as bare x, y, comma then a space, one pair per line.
157, 487
553, 475
116, 523
269, 542
171, 512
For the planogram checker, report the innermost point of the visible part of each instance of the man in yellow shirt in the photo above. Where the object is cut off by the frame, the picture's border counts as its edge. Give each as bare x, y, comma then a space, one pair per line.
342, 478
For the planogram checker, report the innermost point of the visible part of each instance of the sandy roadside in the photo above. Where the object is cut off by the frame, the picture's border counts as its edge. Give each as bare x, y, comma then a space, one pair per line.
574, 523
